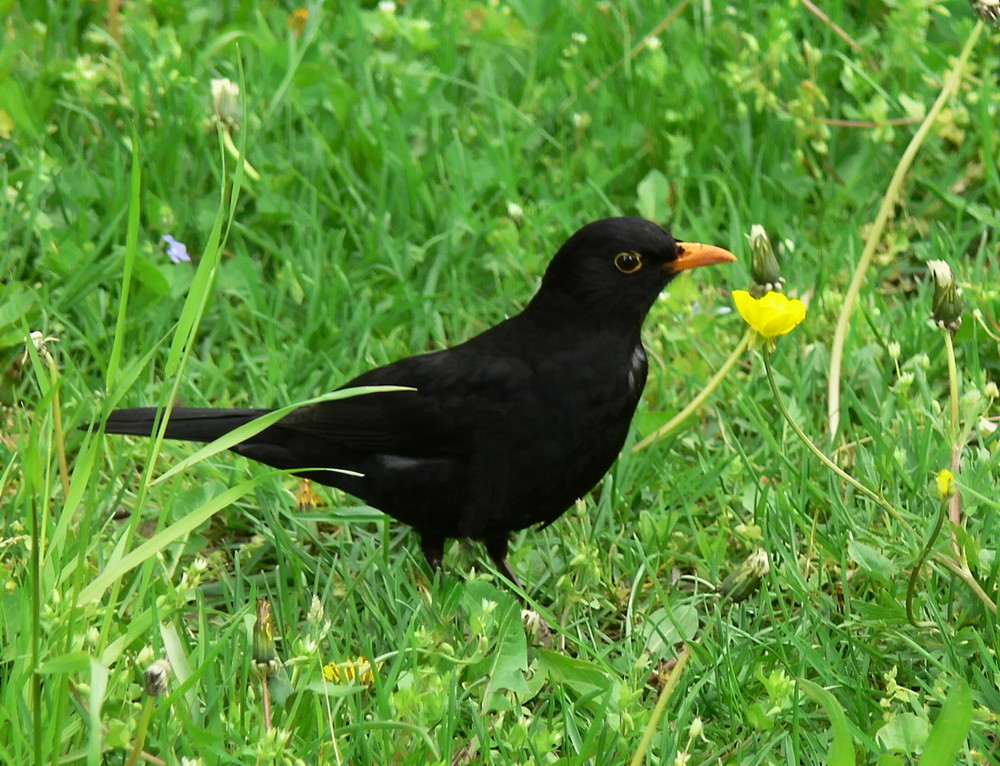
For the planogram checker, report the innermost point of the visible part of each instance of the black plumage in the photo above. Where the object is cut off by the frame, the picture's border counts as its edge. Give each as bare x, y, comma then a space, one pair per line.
501, 432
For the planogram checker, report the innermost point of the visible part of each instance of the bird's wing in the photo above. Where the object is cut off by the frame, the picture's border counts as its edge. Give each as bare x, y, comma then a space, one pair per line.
456, 395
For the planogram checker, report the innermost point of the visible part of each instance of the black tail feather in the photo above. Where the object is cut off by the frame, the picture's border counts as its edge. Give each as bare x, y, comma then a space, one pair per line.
198, 424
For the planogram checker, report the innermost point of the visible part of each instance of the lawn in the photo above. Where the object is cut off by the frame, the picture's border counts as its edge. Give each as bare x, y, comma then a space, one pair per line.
786, 575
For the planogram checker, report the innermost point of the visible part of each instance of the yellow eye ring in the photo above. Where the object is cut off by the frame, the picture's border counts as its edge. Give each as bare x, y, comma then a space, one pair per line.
628, 263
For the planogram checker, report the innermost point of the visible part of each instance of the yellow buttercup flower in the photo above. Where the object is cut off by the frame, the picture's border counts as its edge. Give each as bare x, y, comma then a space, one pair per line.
770, 316
945, 484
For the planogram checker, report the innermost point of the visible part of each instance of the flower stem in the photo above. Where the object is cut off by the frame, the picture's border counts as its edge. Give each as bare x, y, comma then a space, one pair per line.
140, 736
57, 424
949, 347
821, 455
661, 704
695, 403
965, 575
912, 584
955, 503
951, 84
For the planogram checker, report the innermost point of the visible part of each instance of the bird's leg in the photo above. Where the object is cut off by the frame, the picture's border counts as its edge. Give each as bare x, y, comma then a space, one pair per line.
538, 629
497, 546
433, 549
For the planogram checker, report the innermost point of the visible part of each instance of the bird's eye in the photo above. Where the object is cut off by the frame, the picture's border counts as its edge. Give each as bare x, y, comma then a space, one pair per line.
628, 263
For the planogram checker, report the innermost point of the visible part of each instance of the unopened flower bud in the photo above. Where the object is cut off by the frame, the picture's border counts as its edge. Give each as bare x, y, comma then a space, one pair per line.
145, 656
764, 269
991, 391
226, 102
894, 350
39, 341
263, 634
515, 213
904, 381
988, 11
315, 615
696, 728
156, 677
743, 582
947, 304
944, 484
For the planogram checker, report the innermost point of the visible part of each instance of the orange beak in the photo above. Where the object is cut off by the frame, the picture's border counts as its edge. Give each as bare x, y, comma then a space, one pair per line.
690, 255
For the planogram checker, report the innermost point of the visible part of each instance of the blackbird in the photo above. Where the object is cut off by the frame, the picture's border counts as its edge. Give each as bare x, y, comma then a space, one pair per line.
499, 433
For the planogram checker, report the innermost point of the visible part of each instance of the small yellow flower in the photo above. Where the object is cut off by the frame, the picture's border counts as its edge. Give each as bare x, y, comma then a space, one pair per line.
297, 20
773, 315
945, 484
353, 671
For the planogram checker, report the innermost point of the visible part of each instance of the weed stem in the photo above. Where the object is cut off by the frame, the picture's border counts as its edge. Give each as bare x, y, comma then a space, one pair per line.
695, 403
821, 455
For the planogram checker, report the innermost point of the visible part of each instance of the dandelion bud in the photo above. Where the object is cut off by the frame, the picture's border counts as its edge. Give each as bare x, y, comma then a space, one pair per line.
947, 305
226, 102
263, 634
40, 341
156, 677
764, 269
988, 11
742, 583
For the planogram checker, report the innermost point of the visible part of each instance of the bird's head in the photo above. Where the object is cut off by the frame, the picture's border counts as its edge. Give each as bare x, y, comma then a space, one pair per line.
612, 270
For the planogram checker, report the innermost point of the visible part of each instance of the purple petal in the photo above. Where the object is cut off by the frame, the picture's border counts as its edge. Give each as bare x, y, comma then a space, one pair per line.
176, 250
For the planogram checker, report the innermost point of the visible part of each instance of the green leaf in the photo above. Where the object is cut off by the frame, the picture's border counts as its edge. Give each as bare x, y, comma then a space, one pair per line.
15, 303
841, 752
950, 729
19, 107
509, 661
151, 276
905, 733
653, 194
665, 628
757, 717
505, 662
583, 677
872, 561
72, 662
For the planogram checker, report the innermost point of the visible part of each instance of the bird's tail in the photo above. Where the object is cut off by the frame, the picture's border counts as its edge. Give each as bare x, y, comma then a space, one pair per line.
198, 424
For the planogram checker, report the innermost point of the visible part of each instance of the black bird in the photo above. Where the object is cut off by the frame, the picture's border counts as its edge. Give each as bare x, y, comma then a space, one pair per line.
501, 432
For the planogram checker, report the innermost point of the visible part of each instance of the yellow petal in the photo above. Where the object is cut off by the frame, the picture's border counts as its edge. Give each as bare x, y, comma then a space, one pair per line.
945, 484
746, 304
772, 315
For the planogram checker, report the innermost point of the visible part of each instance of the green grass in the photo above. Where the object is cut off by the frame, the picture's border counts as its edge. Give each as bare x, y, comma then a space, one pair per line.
386, 149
